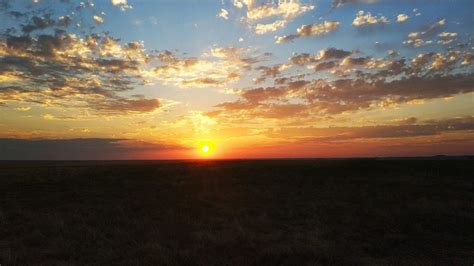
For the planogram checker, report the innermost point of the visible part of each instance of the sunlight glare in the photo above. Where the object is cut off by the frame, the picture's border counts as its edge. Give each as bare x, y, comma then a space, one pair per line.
206, 149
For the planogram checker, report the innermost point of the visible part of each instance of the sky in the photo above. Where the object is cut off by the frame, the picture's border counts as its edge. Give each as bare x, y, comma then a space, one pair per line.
185, 79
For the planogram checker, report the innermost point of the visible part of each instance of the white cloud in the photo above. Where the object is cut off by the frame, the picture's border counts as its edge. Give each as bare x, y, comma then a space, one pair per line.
272, 27
310, 30
447, 37
417, 39
223, 14
284, 9
122, 4
402, 18
363, 19
98, 20
318, 29
242, 3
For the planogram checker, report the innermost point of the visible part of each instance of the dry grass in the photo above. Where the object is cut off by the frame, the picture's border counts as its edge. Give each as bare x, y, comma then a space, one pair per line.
281, 212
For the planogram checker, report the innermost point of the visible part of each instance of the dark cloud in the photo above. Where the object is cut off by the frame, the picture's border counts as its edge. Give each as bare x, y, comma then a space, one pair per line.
333, 97
127, 106
328, 54
38, 23
408, 128
325, 66
357, 83
270, 72
77, 149
260, 94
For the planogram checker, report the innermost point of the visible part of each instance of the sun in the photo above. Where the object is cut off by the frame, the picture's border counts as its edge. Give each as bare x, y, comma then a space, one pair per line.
204, 148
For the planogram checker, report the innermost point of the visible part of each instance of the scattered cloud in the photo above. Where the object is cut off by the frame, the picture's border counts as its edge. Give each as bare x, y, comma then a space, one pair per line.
325, 54
284, 9
242, 3
366, 19
419, 38
265, 28
402, 18
22, 109
270, 71
216, 68
98, 19
223, 14
359, 83
340, 3
122, 4
276, 14
310, 30
58, 68
446, 37
408, 128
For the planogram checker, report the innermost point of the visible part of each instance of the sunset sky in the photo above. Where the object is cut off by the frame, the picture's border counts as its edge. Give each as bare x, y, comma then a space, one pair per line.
146, 79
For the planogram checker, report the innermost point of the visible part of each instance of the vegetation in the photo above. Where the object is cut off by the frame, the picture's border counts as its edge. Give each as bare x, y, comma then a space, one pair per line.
242, 212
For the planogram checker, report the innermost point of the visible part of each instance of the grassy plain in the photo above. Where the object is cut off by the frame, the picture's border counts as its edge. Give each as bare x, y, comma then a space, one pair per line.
239, 212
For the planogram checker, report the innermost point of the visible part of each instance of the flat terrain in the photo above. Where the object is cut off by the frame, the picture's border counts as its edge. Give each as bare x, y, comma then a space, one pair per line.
255, 212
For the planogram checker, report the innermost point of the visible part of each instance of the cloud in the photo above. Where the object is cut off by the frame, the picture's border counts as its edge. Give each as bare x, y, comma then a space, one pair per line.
325, 66
393, 53
22, 109
285, 9
447, 37
412, 128
265, 28
216, 68
325, 54
122, 4
317, 29
79, 149
402, 18
414, 41
242, 3
310, 30
358, 83
280, 13
271, 71
367, 19
38, 23
130, 106
340, 3
98, 19
223, 14
417, 39
84, 71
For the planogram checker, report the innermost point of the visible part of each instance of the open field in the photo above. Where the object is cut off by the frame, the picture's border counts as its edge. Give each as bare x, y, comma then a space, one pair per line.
243, 212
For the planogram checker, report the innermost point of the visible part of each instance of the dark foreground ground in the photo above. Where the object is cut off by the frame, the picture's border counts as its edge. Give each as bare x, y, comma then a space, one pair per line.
280, 212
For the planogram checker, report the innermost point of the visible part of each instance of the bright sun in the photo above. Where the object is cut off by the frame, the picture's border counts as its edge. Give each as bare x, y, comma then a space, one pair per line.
205, 148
